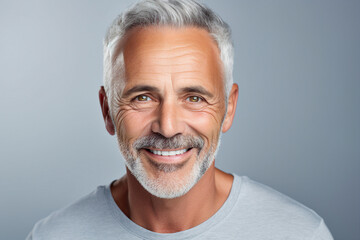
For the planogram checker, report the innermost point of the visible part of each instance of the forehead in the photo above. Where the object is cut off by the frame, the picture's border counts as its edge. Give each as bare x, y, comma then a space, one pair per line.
170, 52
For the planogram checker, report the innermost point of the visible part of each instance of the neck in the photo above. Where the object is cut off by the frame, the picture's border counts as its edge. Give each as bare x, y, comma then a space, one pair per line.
172, 215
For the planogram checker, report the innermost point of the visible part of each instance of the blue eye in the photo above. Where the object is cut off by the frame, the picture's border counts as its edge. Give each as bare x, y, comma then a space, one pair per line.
194, 99
142, 98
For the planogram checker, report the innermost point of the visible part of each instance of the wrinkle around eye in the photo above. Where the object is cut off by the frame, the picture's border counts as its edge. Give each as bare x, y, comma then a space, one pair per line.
209, 110
138, 105
121, 107
125, 109
203, 105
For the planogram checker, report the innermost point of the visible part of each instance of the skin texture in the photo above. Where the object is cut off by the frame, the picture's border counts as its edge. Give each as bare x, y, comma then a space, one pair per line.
173, 86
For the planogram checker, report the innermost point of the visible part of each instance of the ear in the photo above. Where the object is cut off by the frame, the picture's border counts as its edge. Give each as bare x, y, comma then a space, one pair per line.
106, 111
231, 108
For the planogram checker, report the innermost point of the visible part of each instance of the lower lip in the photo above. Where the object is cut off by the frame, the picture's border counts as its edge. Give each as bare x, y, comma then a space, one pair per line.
169, 159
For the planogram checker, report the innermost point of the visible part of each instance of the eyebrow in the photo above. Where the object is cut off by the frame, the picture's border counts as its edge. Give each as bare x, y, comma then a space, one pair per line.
140, 88
196, 89
147, 88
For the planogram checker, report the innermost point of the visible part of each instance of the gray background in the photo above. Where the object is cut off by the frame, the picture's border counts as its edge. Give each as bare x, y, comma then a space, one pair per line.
296, 128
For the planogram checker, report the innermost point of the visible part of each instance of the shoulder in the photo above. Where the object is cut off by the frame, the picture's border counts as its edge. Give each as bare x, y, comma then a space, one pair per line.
76, 218
269, 199
275, 212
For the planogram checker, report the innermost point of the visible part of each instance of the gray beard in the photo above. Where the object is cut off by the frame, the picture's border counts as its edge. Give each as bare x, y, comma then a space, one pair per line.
175, 187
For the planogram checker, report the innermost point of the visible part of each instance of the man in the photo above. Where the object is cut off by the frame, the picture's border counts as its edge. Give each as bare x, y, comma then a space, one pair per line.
168, 95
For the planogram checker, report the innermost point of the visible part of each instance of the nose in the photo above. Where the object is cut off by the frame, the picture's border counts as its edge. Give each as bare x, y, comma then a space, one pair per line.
168, 121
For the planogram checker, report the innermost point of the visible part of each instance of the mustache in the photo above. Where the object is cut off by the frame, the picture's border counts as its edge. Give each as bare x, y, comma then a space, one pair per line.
160, 142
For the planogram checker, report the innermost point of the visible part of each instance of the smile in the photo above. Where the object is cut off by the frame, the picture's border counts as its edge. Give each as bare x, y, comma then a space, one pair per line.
168, 153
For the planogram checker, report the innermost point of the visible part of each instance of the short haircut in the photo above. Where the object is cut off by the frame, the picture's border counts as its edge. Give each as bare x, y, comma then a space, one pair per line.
176, 13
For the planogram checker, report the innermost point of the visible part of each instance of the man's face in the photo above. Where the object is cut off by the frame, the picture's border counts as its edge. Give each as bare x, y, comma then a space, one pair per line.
169, 114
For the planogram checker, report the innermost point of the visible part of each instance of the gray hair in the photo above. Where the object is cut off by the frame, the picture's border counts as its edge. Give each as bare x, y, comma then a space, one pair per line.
177, 13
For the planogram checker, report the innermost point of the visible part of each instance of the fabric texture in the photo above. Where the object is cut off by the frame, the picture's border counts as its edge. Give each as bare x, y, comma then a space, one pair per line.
252, 212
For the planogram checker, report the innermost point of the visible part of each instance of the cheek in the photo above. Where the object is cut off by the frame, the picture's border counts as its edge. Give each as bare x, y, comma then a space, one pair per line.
133, 124
207, 123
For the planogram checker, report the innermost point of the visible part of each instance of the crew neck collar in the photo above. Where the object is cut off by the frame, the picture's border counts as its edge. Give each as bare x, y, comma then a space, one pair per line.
143, 233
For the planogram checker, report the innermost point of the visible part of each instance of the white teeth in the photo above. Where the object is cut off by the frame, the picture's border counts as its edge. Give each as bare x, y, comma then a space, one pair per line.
168, 153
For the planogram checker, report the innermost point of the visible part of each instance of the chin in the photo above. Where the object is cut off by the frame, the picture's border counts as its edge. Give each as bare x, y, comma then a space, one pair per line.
170, 184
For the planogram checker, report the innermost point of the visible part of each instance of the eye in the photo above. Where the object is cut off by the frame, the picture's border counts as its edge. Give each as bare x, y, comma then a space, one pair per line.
142, 98
194, 99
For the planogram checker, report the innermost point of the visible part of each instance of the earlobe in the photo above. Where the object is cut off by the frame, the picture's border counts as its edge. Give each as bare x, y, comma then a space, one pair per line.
231, 108
106, 111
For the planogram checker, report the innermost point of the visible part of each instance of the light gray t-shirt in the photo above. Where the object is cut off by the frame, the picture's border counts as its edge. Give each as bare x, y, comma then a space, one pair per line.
252, 212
